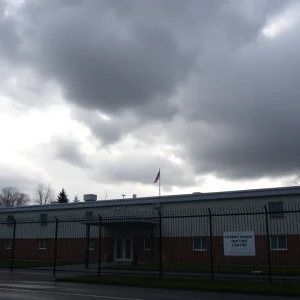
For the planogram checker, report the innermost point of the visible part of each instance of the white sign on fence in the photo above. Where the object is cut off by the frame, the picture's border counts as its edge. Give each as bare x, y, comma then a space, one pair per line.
239, 243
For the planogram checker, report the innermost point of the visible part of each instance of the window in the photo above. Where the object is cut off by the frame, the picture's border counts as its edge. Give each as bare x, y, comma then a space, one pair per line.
8, 244
91, 245
276, 209
42, 244
89, 214
148, 244
43, 219
10, 221
278, 242
199, 243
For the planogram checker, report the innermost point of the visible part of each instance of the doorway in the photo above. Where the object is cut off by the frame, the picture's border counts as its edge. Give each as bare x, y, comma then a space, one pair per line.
123, 249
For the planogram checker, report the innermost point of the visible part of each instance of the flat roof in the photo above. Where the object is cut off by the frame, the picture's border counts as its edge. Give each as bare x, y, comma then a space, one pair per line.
253, 193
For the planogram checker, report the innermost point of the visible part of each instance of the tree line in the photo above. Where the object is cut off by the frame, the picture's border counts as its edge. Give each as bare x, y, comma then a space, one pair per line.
43, 194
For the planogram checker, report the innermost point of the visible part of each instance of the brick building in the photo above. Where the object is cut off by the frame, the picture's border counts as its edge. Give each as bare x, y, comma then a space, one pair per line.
261, 225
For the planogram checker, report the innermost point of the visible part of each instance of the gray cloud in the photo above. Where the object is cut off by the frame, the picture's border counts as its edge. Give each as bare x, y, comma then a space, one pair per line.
107, 131
246, 115
196, 69
68, 149
123, 55
134, 163
23, 175
140, 167
114, 75
22, 182
101, 61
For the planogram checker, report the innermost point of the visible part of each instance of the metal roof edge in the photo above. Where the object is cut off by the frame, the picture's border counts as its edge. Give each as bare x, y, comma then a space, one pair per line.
267, 192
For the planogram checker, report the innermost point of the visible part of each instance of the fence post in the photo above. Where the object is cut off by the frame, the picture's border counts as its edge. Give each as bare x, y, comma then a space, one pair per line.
55, 246
87, 246
268, 245
212, 275
152, 243
160, 244
100, 245
13, 246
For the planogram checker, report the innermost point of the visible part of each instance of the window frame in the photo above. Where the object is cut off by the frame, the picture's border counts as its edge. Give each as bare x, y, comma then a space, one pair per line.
6, 244
277, 243
40, 244
43, 219
90, 248
201, 249
147, 244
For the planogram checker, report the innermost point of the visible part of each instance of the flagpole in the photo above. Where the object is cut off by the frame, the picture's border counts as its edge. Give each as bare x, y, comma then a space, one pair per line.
159, 183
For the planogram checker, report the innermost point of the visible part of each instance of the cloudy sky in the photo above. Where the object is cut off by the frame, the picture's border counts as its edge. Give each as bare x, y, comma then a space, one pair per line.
97, 95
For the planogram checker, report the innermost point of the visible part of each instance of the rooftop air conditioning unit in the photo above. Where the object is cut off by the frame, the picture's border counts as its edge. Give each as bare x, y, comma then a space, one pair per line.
90, 197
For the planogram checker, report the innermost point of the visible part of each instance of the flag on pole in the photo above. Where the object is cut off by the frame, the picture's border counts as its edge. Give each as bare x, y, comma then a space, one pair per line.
157, 177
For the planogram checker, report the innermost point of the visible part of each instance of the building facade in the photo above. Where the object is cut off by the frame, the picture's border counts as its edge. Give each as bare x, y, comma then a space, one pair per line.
240, 227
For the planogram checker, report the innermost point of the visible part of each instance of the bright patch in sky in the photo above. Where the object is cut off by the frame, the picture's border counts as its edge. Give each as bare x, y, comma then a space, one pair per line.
31, 127
104, 116
283, 22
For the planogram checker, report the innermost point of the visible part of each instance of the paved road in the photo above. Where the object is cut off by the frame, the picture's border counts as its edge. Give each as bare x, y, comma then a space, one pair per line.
43, 287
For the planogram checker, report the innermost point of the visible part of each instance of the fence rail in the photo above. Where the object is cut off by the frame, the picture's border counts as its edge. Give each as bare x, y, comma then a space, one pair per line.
244, 243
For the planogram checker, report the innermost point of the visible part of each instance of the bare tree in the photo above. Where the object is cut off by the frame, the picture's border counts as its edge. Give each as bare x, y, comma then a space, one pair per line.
22, 199
43, 194
11, 197
76, 199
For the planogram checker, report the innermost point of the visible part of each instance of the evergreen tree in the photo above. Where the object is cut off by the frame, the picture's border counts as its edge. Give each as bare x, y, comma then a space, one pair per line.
62, 197
76, 199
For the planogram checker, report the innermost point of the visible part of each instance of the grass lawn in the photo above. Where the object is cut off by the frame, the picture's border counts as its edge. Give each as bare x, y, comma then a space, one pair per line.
30, 263
167, 267
192, 284
200, 268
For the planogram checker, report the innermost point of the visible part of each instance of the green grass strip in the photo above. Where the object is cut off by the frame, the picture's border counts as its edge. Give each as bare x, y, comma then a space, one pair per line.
233, 286
30, 263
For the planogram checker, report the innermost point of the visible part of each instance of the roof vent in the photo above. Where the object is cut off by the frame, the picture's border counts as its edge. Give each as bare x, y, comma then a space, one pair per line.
89, 197
54, 202
134, 196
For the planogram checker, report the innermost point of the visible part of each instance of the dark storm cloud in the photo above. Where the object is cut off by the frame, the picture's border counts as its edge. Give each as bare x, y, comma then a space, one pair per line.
114, 75
248, 124
131, 59
101, 61
10, 41
123, 55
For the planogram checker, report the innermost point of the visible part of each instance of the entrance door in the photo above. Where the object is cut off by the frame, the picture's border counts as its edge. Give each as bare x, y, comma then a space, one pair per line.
123, 249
